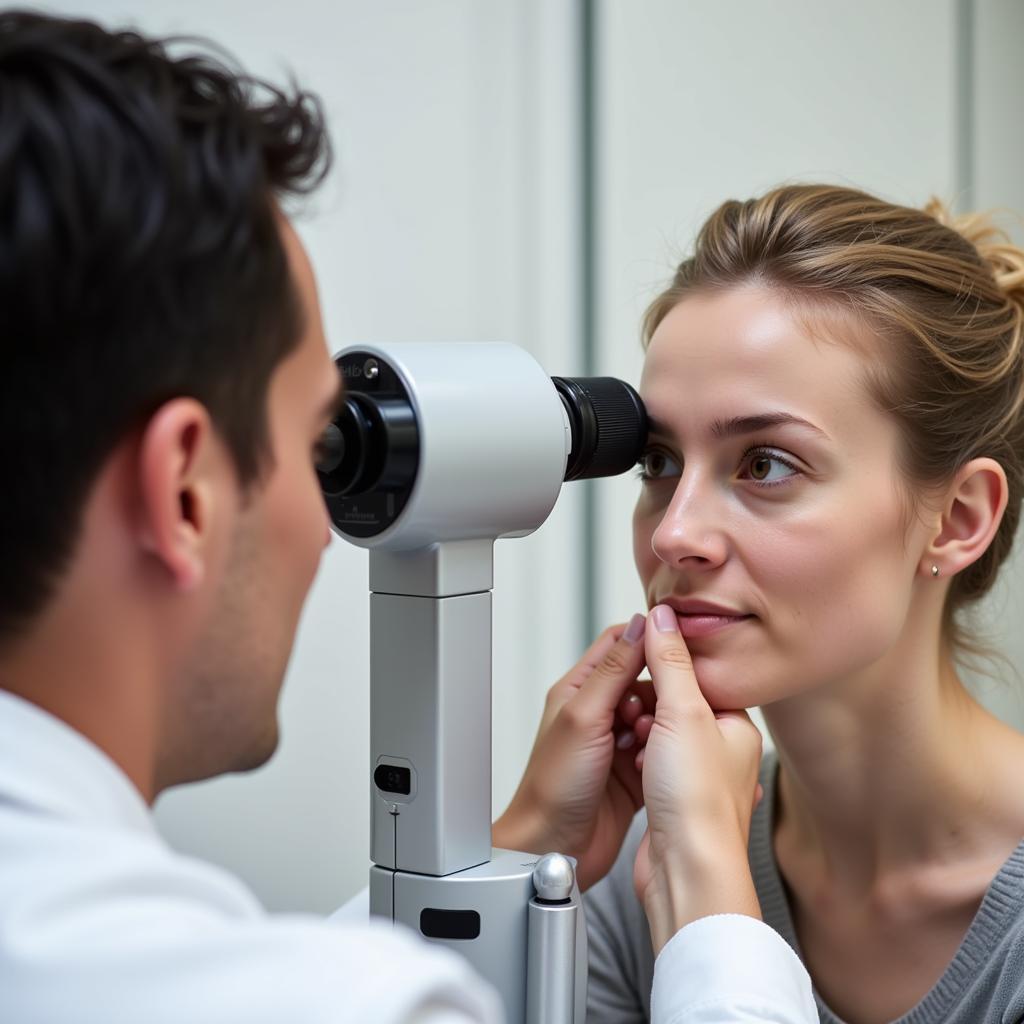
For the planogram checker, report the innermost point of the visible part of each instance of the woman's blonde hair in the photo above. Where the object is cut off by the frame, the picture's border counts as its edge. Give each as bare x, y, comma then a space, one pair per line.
942, 295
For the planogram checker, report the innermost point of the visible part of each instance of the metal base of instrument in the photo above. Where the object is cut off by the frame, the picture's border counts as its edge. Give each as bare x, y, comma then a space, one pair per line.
534, 952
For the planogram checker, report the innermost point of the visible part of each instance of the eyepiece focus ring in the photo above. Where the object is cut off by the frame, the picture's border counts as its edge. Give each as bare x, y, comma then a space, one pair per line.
609, 425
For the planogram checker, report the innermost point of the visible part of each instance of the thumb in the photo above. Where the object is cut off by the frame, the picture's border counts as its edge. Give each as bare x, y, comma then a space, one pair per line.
671, 667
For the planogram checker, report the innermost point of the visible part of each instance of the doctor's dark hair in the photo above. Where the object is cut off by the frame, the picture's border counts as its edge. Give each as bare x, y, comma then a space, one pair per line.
942, 299
140, 260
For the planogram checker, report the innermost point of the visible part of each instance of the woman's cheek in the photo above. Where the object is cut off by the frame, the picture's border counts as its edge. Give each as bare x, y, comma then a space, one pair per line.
644, 558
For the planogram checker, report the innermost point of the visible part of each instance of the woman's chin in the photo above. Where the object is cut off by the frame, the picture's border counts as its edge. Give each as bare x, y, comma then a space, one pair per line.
728, 687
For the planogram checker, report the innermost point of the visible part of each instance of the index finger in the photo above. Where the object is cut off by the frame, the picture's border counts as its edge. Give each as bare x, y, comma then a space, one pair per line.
594, 655
606, 684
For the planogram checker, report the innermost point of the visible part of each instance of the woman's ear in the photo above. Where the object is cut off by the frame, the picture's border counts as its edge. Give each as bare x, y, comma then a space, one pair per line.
971, 514
177, 457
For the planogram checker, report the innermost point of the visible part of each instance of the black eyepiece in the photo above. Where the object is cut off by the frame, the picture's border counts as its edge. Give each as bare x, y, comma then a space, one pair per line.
355, 446
369, 454
609, 425
332, 445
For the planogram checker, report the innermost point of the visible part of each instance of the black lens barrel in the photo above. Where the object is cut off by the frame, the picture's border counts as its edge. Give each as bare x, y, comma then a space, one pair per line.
609, 425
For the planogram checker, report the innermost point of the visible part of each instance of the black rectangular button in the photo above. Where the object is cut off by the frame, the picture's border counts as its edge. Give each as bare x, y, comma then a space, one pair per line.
392, 778
449, 924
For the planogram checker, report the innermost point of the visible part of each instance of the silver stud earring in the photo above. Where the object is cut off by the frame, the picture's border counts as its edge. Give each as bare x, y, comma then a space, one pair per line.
935, 570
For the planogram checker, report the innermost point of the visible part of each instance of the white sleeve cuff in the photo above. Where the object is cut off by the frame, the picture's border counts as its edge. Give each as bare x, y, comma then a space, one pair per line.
730, 968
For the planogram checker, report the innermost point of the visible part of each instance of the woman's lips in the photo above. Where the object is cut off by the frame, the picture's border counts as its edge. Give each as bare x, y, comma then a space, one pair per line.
705, 623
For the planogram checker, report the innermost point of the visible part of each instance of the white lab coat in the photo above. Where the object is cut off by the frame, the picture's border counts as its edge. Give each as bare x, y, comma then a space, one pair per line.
102, 923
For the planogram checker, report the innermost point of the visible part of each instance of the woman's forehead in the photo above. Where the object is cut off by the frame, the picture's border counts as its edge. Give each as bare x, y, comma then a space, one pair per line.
746, 352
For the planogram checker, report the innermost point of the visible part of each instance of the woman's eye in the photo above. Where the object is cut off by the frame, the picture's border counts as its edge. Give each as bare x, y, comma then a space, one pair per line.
767, 468
656, 465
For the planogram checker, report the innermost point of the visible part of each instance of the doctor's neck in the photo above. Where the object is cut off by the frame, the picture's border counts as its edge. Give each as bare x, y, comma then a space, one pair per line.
100, 655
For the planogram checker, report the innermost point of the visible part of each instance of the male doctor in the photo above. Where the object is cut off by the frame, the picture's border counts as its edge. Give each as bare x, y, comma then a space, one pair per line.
164, 384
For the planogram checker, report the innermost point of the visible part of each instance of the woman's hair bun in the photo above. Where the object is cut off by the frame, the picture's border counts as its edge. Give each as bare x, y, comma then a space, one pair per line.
1005, 259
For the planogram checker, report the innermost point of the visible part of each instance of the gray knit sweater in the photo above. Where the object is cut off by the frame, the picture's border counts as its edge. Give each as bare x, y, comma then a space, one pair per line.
983, 984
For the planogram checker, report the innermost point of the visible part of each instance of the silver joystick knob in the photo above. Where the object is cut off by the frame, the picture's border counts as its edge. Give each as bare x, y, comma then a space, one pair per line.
553, 878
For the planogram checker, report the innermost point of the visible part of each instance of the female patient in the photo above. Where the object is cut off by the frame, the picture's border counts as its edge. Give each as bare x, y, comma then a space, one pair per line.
834, 475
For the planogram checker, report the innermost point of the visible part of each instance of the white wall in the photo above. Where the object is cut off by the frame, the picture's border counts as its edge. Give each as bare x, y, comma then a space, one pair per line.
451, 215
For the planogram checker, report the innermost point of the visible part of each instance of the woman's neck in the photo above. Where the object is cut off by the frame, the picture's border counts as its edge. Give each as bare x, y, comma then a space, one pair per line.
895, 770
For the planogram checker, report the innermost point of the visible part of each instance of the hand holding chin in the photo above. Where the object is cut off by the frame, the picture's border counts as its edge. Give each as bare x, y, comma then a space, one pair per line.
699, 771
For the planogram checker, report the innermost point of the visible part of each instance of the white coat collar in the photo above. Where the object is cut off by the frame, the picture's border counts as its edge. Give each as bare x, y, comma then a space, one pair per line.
47, 766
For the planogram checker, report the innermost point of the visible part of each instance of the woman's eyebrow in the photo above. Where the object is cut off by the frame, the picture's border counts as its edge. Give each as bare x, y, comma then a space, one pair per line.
739, 425
752, 424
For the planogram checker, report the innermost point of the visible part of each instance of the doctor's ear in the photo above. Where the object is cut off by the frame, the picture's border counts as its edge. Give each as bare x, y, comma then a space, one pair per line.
971, 513
179, 462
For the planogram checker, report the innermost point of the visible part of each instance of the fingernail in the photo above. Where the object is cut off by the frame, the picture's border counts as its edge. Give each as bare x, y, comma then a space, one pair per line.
632, 699
665, 619
625, 740
635, 629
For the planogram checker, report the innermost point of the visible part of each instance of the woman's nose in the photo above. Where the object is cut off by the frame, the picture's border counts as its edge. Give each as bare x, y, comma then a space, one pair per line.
690, 534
